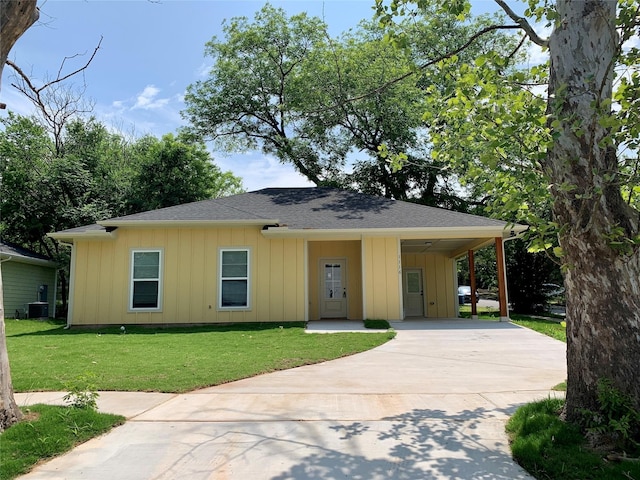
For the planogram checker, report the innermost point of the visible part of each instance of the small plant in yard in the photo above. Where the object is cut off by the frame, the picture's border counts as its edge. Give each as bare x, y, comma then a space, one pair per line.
377, 324
82, 392
616, 423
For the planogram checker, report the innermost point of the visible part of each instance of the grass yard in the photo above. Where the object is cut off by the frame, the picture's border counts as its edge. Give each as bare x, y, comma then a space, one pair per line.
551, 327
557, 330
48, 431
549, 448
44, 356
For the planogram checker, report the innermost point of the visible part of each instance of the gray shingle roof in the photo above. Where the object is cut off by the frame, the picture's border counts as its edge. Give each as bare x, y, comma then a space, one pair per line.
309, 208
12, 250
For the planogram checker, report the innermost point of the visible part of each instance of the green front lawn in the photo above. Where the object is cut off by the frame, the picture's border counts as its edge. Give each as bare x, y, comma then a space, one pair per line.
45, 356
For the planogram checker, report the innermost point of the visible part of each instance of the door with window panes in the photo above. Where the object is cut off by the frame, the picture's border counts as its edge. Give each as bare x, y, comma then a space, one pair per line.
413, 293
333, 288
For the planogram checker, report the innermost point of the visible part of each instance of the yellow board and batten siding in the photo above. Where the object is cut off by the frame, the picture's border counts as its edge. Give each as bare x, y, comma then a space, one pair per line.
438, 278
382, 292
189, 289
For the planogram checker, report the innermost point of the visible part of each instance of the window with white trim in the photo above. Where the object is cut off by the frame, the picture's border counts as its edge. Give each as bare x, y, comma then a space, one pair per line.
234, 278
146, 280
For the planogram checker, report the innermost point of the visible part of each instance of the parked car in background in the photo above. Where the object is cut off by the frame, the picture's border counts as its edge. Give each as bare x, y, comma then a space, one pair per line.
552, 290
464, 294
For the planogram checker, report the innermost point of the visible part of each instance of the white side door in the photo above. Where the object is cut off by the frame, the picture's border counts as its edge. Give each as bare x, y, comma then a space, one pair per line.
413, 293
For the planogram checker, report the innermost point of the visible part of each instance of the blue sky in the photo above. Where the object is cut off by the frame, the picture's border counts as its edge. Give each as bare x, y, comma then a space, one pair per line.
151, 51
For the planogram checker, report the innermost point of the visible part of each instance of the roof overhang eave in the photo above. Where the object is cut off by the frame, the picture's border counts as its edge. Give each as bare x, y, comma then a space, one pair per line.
492, 232
187, 223
88, 235
7, 257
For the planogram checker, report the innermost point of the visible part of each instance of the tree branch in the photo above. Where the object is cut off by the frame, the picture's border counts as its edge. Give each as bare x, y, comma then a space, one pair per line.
524, 24
450, 54
58, 78
15, 18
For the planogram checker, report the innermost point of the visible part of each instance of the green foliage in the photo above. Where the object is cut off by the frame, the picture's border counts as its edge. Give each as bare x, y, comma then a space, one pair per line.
526, 275
254, 89
548, 447
377, 324
616, 419
45, 356
183, 172
48, 431
485, 263
82, 392
343, 111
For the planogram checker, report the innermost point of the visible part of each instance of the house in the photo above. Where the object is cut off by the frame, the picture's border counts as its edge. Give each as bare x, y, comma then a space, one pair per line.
275, 255
28, 282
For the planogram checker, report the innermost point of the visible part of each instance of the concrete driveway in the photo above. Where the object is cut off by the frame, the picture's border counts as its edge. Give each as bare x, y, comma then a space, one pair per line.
430, 404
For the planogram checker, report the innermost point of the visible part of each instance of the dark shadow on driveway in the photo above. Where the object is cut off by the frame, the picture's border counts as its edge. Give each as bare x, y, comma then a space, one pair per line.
418, 445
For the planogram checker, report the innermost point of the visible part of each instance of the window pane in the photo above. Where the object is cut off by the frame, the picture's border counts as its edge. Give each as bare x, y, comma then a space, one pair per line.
236, 257
234, 264
234, 293
413, 282
234, 271
146, 265
145, 294
332, 280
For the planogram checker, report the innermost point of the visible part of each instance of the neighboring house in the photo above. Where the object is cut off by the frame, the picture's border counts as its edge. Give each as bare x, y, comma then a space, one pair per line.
27, 278
275, 255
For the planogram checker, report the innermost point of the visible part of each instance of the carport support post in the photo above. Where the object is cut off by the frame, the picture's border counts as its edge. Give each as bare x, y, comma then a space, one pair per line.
502, 280
472, 278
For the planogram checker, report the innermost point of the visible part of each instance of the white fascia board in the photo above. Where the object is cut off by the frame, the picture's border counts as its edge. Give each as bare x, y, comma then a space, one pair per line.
89, 235
404, 233
187, 223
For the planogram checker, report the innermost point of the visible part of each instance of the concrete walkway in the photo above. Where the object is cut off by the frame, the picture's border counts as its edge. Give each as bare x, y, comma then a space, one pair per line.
430, 404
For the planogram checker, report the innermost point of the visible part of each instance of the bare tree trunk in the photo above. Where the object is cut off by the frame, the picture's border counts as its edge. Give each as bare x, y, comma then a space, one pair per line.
603, 266
16, 16
9, 411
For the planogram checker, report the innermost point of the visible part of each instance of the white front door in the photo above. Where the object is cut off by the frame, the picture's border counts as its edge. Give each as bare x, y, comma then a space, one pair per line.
333, 288
413, 293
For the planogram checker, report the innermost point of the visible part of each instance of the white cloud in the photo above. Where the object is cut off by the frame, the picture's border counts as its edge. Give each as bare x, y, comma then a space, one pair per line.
147, 100
261, 171
203, 70
16, 102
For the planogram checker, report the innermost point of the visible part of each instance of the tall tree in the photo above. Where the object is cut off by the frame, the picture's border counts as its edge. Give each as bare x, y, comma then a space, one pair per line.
183, 172
295, 105
599, 232
253, 94
580, 152
15, 18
